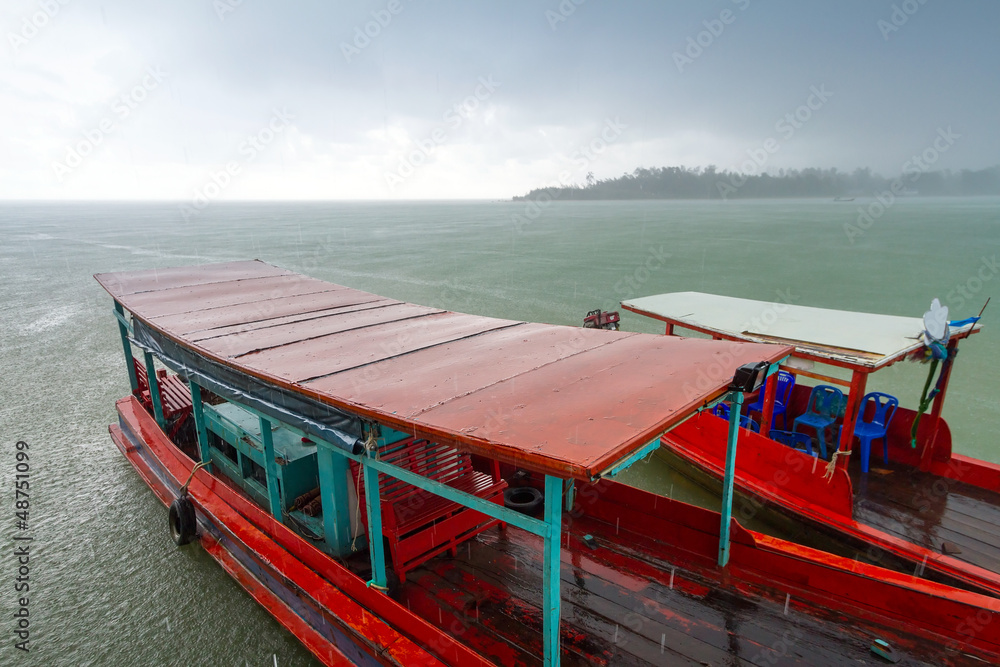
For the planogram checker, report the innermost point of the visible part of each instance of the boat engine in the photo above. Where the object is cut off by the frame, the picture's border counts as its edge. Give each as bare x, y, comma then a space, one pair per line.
601, 319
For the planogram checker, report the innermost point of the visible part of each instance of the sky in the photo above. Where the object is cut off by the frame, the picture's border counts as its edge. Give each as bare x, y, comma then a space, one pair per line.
206, 100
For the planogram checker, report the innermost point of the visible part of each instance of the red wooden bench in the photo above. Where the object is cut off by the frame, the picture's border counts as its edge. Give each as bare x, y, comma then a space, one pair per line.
175, 395
417, 524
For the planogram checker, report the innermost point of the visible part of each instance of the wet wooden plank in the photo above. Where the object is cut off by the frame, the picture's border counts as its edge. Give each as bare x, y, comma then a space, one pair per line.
928, 510
420, 595
433, 381
194, 298
623, 629
131, 282
238, 344
713, 625
203, 324
308, 360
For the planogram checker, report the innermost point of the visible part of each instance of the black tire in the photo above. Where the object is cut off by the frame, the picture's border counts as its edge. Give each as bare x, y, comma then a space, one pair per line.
523, 499
183, 523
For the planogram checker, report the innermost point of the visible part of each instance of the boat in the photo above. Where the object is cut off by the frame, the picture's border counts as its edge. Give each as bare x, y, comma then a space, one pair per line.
921, 508
403, 485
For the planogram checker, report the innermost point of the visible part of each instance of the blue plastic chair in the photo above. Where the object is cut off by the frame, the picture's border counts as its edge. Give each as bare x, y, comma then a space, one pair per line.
722, 410
877, 426
781, 395
799, 441
826, 404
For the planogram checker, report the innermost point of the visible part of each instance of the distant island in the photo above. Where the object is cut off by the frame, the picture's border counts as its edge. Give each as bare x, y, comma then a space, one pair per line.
709, 183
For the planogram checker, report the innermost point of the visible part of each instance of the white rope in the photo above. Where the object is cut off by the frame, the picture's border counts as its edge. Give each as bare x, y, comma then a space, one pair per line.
370, 444
831, 467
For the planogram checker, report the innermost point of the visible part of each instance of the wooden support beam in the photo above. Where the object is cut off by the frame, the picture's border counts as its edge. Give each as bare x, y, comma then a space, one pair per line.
154, 390
127, 346
492, 510
271, 468
770, 391
728, 479
816, 376
373, 505
551, 597
336, 508
198, 413
857, 392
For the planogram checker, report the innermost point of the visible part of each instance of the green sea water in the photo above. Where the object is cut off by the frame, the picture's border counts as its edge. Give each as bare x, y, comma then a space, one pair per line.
107, 584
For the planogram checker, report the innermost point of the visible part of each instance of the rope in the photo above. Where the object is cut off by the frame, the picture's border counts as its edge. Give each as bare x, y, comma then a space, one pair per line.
925, 401
370, 444
372, 584
184, 489
831, 467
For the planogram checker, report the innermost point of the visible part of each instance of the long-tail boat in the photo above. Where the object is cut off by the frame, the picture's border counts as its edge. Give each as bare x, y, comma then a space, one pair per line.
370, 472
920, 507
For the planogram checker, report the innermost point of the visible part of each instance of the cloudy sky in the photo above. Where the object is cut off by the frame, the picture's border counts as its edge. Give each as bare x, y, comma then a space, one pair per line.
407, 99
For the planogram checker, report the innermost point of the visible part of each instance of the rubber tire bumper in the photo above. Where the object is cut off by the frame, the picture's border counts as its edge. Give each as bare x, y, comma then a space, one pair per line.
523, 499
183, 523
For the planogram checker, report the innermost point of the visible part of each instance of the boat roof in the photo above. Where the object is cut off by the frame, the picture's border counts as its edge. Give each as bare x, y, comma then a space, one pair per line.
843, 338
560, 400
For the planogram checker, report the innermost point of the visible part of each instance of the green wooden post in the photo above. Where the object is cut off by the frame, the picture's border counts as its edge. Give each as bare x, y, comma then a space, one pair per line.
198, 412
154, 390
550, 571
271, 468
373, 504
333, 491
727, 481
123, 330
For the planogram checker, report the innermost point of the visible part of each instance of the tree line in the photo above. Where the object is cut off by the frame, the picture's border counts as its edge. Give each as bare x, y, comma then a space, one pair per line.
709, 183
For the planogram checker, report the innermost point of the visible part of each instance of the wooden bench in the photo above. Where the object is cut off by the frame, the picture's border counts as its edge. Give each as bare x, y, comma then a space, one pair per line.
419, 525
175, 395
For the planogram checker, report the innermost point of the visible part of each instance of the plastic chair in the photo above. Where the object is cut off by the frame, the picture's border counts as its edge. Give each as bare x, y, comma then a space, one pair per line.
781, 395
825, 406
877, 426
722, 410
799, 441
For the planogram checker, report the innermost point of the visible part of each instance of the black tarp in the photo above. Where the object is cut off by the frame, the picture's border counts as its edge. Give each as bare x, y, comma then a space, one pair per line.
335, 426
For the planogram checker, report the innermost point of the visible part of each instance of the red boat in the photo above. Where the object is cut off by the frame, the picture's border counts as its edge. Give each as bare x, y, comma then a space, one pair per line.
370, 471
917, 507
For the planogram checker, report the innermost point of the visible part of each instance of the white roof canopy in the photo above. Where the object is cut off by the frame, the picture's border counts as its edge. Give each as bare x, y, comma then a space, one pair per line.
864, 340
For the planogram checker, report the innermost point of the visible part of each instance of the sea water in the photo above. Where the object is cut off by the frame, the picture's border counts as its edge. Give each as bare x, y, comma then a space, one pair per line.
108, 586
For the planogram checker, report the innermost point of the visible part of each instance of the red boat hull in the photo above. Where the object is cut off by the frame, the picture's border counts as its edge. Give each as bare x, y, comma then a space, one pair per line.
798, 484
341, 621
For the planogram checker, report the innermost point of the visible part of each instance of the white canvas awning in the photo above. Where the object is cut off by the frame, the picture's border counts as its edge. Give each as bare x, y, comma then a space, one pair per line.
864, 340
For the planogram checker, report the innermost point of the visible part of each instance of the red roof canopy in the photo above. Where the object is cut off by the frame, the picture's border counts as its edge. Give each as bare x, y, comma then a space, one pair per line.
560, 400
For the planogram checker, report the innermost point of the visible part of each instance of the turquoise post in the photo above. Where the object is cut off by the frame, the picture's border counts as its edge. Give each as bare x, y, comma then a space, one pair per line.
154, 390
333, 490
123, 330
550, 571
373, 504
198, 412
727, 481
271, 467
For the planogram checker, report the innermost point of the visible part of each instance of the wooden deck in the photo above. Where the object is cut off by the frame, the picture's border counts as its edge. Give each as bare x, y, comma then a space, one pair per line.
930, 511
622, 605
